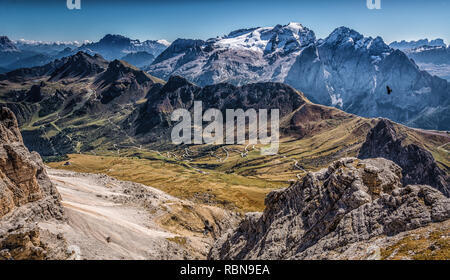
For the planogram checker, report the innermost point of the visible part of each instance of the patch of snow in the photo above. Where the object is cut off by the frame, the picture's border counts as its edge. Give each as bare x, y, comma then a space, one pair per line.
163, 42
423, 90
336, 100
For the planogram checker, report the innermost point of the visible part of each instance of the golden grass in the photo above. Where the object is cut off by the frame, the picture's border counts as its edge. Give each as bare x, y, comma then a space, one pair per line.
423, 244
179, 240
226, 190
240, 183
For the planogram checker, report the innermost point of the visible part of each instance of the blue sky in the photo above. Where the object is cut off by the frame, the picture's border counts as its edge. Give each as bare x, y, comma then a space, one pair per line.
170, 19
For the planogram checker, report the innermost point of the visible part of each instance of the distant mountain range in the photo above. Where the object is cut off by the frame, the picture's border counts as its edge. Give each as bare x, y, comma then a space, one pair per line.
405, 45
432, 56
340, 186
117, 46
25, 54
84, 103
49, 48
345, 70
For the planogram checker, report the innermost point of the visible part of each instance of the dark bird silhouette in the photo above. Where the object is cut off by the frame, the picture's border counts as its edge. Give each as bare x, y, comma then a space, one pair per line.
389, 90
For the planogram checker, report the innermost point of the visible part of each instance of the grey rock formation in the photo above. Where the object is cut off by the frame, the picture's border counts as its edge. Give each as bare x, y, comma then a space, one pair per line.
418, 165
27, 196
329, 211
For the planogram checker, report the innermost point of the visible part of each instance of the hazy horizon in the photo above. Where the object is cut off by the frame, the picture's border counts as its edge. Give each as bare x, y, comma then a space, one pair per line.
51, 21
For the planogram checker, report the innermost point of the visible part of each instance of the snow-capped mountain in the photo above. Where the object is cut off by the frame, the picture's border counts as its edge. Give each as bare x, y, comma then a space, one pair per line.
346, 69
246, 55
117, 46
6, 45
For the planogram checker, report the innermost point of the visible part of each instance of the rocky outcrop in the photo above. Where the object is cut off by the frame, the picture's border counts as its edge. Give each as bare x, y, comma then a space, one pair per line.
122, 81
27, 196
79, 66
418, 165
329, 212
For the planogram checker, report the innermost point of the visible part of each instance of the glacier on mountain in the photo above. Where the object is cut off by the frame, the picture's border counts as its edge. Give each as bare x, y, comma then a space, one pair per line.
346, 69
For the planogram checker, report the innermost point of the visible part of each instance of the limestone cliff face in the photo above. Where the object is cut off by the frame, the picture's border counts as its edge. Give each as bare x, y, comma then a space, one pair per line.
27, 195
327, 213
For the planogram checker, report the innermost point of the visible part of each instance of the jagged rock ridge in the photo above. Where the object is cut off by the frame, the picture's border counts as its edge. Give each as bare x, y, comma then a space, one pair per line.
418, 165
329, 213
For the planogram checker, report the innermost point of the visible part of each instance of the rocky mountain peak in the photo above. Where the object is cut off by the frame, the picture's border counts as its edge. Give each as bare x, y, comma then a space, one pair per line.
177, 47
344, 36
345, 70
80, 65
113, 39
119, 69
329, 213
175, 82
418, 165
6, 45
284, 38
122, 80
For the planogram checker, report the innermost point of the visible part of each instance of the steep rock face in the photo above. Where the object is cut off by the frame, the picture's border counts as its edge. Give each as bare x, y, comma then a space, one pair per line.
325, 213
418, 165
26, 196
18, 168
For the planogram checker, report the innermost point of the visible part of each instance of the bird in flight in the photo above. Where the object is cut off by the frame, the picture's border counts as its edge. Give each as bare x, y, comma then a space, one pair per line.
389, 90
